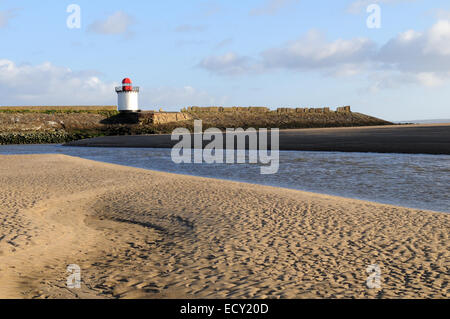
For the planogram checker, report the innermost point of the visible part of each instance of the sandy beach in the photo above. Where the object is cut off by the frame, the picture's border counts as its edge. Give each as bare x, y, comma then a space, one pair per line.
142, 234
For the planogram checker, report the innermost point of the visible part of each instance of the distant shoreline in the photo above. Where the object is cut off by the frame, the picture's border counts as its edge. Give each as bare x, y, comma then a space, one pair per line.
404, 139
432, 121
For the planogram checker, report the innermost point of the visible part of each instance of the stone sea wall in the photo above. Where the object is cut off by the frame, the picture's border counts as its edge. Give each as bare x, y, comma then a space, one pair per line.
262, 109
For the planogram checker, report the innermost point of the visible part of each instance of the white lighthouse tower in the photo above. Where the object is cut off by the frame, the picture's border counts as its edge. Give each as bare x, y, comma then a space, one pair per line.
127, 97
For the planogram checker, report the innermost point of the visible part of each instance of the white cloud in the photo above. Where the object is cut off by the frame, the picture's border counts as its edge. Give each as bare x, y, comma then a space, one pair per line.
47, 84
313, 51
229, 64
5, 17
439, 38
442, 14
347, 69
393, 79
419, 52
117, 23
271, 7
411, 57
430, 79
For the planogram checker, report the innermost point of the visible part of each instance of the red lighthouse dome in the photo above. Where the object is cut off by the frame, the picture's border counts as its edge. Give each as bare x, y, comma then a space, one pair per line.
127, 85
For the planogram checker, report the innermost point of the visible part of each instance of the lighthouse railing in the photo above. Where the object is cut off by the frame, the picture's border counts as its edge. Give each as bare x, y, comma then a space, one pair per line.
133, 89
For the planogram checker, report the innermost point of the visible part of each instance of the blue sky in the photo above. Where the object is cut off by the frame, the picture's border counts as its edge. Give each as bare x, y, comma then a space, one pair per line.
276, 53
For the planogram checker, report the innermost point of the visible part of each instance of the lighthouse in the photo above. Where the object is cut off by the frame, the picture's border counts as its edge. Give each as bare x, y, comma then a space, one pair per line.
127, 97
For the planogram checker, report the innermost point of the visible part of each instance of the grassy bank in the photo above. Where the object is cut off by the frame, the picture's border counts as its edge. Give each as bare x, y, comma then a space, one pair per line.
61, 109
52, 125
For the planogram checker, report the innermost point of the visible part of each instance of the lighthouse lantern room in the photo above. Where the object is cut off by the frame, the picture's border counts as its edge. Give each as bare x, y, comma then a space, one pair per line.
127, 97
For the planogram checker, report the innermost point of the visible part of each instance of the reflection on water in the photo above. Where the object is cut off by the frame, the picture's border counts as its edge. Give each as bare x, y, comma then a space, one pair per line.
419, 181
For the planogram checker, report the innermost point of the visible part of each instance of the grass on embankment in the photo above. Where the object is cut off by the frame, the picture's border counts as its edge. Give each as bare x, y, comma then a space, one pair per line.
101, 110
55, 125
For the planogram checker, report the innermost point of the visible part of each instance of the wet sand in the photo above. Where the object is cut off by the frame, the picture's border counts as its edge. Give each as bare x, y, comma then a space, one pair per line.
408, 139
142, 234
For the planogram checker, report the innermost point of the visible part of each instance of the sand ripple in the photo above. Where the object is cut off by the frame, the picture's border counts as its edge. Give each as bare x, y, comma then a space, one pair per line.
143, 234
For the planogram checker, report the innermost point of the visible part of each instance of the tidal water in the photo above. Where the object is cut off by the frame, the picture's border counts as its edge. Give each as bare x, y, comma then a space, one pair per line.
416, 181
